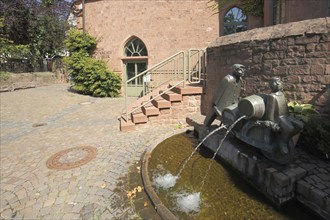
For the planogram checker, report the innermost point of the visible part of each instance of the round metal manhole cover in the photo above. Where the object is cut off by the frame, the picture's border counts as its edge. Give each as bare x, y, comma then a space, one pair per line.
71, 158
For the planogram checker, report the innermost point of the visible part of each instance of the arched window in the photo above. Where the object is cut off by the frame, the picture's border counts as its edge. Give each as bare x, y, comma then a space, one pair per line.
134, 48
234, 21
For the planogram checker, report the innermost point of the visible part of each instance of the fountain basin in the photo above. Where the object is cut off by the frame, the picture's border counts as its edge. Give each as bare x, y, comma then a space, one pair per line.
306, 178
222, 199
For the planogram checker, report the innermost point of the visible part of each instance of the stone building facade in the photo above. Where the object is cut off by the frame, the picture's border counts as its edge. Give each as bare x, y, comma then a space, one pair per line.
165, 28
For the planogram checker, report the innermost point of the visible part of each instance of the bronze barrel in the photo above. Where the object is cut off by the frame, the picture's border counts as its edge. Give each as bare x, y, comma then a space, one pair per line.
252, 106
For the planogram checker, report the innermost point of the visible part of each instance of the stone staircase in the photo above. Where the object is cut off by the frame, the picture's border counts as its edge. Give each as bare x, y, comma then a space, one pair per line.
172, 107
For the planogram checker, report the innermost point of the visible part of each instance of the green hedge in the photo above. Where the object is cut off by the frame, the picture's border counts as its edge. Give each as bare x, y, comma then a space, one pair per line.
316, 133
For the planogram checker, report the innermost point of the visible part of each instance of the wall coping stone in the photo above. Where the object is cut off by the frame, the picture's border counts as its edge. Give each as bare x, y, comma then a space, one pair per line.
300, 28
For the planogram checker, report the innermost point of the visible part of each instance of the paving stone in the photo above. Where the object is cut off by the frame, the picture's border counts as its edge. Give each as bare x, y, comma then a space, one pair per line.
320, 186
308, 167
70, 216
318, 197
309, 179
6, 214
324, 176
315, 178
303, 188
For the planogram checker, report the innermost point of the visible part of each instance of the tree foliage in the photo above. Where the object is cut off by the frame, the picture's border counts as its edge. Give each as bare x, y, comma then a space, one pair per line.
77, 42
39, 25
9, 49
89, 76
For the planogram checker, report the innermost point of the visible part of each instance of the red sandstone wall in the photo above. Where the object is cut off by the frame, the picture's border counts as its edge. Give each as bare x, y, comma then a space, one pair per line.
297, 52
166, 27
297, 10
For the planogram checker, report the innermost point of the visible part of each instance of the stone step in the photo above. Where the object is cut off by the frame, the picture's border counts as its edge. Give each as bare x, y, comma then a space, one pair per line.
126, 125
172, 96
150, 109
190, 89
161, 103
139, 118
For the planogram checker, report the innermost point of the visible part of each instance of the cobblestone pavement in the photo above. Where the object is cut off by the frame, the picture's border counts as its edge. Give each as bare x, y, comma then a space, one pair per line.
36, 124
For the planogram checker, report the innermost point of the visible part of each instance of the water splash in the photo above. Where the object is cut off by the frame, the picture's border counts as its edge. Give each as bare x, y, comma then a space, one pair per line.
165, 181
196, 148
188, 203
221, 142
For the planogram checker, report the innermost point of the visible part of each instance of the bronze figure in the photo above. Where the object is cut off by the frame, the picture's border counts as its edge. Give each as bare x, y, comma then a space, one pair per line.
227, 93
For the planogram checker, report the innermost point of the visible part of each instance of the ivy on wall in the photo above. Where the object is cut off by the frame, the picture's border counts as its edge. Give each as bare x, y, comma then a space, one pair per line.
250, 7
253, 7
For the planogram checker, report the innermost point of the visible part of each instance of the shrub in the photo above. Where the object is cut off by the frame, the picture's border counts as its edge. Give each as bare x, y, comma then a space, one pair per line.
302, 111
316, 133
89, 76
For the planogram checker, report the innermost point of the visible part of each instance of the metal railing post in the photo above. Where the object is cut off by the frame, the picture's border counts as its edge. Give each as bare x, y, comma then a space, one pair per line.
126, 101
184, 69
172, 71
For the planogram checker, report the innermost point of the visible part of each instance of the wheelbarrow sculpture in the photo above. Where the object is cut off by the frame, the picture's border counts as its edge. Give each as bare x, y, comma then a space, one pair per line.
267, 124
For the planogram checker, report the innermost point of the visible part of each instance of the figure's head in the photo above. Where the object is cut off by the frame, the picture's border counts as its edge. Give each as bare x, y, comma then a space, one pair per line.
275, 84
239, 70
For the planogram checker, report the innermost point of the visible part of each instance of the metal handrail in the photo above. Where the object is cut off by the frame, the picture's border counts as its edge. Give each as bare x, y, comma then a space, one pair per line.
173, 74
146, 72
156, 66
200, 64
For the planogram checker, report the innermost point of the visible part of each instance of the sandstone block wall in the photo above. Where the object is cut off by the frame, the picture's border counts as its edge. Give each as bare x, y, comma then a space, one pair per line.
298, 53
16, 81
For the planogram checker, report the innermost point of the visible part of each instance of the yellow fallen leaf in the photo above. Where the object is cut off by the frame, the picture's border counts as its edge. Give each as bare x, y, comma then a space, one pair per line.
103, 185
139, 189
145, 204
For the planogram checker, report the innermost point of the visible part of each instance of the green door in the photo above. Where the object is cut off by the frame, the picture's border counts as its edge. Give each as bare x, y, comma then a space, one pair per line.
135, 61
135, 87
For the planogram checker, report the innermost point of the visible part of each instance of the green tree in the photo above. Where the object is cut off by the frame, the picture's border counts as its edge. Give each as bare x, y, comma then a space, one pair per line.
10, 50
39, 24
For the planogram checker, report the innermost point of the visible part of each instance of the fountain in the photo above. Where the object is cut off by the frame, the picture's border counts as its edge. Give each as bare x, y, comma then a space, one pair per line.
258, 129
225, 195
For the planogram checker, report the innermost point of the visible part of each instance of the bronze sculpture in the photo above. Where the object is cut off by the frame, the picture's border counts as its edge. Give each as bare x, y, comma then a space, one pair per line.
267, 124
226, 94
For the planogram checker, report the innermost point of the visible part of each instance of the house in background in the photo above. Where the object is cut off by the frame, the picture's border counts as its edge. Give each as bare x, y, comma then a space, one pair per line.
135, 35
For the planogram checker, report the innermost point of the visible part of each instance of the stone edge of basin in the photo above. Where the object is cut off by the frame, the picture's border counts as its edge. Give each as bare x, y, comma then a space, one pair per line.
160, 208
